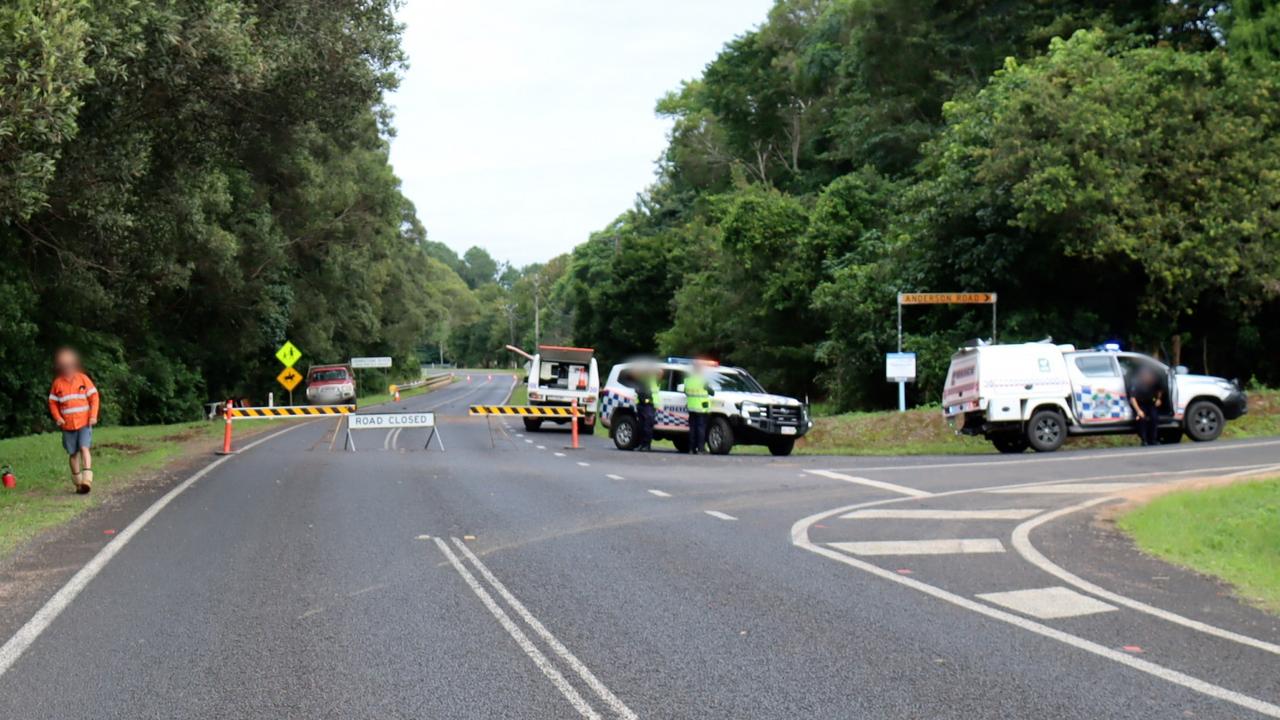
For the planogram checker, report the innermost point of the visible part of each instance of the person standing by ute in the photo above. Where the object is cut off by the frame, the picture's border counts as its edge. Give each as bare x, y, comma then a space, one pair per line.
73, 403
698, 401
1144, 397
648, 395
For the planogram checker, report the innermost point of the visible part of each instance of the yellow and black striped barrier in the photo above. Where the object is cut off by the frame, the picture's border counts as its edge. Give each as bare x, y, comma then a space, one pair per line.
289, 411
524, 410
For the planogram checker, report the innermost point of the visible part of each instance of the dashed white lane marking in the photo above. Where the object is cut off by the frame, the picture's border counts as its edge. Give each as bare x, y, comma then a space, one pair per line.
1014, 514
556, 646
528, 441
577, 701
900, 489
719, 515
1048, 603
1022, 545
1069, 489
952, 546
659, 493
611, 476
27, 634
542, 447
559, 454
582, 464
519, 435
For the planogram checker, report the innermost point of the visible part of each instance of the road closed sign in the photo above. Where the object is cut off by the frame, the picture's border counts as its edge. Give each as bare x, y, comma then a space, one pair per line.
391, 421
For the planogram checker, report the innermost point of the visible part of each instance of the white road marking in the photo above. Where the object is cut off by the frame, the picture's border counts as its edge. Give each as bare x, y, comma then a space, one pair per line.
27, 634
659, 493
1072, 457
519, 435
614, 477
1014, 514
577, 701
556, 646
582, 464
800, 538
1022, 545
1070, 489
719, 515
954, 546
559, 454
528, 441
900, 489
1048, 603
542, 447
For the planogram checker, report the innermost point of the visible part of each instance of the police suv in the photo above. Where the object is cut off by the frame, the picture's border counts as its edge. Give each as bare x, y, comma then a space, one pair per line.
742, 413
1034, 395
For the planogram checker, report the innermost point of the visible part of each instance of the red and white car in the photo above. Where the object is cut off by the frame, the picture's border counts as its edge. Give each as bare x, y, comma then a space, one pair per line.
331, 385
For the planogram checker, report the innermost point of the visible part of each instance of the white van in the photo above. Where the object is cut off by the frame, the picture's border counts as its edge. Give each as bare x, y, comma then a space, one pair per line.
557, 377
1036, 394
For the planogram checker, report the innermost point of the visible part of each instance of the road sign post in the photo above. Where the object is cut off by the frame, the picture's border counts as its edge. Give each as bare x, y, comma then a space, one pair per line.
933, 298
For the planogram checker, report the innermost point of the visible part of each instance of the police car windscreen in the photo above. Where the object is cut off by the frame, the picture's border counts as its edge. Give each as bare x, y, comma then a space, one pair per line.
733, 382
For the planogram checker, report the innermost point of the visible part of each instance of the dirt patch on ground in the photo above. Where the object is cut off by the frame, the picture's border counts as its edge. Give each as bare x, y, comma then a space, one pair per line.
126, 448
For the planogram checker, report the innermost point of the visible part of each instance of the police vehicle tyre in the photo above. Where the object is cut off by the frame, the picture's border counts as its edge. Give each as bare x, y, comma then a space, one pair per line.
1204, 421
681, 443
626, 432
719, 436
1010, 444
1170, 436
1046, 431
532, 425
782, 447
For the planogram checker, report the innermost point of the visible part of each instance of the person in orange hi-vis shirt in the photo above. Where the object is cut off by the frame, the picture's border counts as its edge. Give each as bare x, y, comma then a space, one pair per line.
73, 403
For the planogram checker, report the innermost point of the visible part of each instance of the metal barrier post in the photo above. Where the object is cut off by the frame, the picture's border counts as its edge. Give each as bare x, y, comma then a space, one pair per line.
574, 424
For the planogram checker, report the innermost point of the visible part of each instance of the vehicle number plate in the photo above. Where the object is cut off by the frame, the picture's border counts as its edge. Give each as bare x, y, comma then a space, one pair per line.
788, 431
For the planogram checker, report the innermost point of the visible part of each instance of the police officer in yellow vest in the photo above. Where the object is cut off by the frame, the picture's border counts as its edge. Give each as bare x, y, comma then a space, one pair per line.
698, 401
648, 396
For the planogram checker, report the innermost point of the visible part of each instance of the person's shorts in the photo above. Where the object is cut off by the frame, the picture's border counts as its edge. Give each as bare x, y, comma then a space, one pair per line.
74, 440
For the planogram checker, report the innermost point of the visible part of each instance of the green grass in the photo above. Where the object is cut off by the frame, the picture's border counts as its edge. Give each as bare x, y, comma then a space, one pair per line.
1232, 533
45, 497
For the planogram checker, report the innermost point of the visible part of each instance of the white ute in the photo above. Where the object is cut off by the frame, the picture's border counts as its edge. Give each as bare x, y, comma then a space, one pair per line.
557, 377
1036, 394
742, 413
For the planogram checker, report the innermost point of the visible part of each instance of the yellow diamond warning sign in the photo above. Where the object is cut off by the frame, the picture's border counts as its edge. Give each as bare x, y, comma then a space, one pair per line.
289, 378
288, 354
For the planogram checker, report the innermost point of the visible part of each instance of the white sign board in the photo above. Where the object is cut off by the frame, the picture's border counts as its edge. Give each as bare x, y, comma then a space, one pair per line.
387, 421
370, 362
900, 367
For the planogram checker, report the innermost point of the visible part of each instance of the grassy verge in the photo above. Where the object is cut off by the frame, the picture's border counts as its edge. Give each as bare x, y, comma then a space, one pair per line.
1231, 532
45, 497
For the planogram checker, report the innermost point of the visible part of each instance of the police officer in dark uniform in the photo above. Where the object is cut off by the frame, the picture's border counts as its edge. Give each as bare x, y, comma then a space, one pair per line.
648, 395
1144, 397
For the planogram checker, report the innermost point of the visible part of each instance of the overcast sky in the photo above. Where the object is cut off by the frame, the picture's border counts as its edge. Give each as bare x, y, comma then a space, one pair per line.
524, 125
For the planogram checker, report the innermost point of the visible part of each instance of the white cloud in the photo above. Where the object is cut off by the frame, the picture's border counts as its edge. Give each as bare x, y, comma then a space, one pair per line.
524, 126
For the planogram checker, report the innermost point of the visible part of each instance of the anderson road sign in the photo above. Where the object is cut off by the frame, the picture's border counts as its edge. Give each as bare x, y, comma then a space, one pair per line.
982, 298
288, 354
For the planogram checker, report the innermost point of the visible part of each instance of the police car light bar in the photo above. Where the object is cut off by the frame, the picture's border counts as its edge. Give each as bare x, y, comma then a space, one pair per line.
690, 361
1109, 347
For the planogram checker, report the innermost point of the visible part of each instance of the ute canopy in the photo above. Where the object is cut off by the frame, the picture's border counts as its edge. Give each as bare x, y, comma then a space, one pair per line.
567, 355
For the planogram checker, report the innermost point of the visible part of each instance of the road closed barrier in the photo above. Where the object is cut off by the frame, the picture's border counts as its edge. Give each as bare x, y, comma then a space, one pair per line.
392, 421
231, 414
532, 411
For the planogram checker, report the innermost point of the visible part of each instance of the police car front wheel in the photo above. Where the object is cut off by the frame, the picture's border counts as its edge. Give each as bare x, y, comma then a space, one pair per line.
719, 436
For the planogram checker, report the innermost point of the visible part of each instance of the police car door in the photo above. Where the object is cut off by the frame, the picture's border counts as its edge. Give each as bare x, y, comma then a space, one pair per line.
673, 412
1098, 390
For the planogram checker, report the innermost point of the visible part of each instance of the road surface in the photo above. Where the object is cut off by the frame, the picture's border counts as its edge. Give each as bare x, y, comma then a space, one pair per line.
511, 577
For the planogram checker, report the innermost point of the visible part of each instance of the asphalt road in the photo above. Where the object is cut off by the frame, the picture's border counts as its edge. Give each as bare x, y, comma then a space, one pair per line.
511, 577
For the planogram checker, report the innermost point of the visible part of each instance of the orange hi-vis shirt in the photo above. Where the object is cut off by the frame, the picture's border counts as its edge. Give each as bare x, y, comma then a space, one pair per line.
73, 401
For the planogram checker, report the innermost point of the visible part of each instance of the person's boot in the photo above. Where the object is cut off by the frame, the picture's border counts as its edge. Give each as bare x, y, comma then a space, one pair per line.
86, 482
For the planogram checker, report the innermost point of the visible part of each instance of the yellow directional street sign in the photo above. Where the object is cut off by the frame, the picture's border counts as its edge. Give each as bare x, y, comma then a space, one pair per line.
289, 378
288, 354
982, 298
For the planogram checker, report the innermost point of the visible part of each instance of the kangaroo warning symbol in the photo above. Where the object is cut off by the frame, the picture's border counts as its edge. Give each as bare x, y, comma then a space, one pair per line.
289, 378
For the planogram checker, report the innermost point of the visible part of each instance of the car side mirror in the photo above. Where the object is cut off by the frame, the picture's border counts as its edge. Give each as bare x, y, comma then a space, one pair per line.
1181, 370
680, 387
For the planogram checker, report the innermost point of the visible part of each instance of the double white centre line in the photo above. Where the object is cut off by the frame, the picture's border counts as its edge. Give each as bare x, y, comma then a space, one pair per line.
530, 649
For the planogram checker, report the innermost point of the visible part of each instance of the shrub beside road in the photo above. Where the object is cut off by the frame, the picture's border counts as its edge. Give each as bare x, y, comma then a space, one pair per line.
1231, 532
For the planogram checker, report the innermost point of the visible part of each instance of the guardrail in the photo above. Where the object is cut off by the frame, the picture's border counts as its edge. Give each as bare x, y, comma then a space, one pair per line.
427, 382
